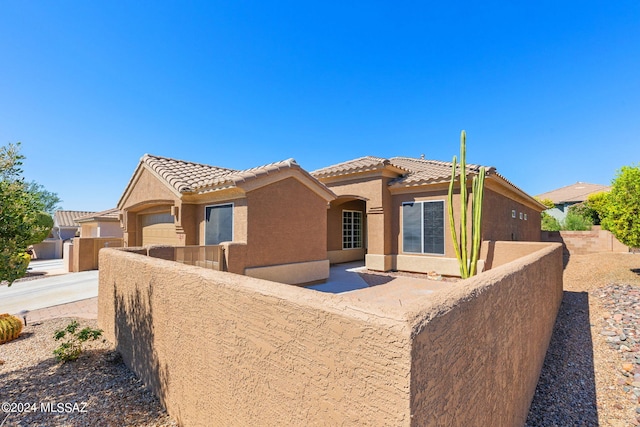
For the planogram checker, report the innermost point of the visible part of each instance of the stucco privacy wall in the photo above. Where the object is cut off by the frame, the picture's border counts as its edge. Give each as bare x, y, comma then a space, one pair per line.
224, 349
478, 350
86, 249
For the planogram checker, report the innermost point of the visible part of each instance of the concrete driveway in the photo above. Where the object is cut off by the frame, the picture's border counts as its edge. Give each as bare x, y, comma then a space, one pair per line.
48, 291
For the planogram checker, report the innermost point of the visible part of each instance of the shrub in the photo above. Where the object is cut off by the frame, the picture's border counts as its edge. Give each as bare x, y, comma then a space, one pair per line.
10, 328
72, 347
620, 208
549, 223
576, 222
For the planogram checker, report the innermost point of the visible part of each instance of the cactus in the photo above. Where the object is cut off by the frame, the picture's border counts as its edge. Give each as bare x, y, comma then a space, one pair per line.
10, 328
468, 265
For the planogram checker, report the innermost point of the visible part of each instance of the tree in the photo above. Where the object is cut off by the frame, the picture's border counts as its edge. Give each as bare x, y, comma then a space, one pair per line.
51, 200
23, 221
548, 222
621, 212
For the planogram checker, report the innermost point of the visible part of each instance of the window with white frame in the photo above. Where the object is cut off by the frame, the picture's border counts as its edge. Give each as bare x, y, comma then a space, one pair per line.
423, 227
218, 224
351, 229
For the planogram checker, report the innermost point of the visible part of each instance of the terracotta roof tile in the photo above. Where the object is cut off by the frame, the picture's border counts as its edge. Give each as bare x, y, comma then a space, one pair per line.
578, 192
68, 218
188, 177
423, 171
361, 164
185, 177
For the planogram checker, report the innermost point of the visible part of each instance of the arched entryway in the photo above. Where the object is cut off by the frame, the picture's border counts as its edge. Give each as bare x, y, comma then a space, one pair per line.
346, 229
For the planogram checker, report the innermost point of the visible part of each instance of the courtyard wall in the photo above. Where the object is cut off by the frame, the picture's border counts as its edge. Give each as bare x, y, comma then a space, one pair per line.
224, 349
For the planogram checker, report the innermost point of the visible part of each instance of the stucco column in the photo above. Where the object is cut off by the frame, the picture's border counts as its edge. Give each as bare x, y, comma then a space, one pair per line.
130, 229
379, 226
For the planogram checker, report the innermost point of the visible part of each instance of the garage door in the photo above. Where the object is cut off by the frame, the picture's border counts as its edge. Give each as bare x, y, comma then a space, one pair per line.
158, 229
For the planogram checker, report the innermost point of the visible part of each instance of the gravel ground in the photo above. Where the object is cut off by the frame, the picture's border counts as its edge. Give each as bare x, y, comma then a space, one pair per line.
95, 390
583, 379
586, 379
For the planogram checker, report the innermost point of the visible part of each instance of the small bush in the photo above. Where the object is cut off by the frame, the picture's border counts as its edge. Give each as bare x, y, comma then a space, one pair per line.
72, 347
575, 222
549, 223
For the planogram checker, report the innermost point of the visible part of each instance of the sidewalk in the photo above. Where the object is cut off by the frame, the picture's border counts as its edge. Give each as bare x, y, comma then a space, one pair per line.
85, 309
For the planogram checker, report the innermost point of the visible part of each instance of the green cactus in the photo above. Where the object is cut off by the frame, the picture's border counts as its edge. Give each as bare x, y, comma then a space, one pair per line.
10, 328
468, 265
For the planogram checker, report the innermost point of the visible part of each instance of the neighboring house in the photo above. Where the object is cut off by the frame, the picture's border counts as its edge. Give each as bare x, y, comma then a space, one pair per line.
282, 223
65, 225
101, 224
64, 228
570, 195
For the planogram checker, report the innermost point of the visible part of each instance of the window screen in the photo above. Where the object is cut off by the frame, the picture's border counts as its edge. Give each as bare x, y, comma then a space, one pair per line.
218, 224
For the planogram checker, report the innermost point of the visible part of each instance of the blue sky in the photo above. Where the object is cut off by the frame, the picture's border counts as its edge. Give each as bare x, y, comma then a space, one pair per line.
548, 91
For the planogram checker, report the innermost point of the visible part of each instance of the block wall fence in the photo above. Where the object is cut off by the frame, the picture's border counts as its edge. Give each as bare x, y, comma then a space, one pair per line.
585, 242
224, 349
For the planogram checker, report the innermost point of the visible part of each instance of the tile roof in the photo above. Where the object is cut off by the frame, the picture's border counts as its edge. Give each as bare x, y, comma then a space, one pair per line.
189, 177
361, 164
578, 192
108, 215
68, 218
185, 177
423, 171
411, 171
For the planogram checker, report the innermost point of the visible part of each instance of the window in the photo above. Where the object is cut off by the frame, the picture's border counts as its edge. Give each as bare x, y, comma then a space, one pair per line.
351, 229
218, 225
423, 227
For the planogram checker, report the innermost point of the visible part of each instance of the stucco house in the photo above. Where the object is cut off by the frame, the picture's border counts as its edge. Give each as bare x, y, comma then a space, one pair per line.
396, 211
567, 196
271, 220
282, 223
100, 224
65, 227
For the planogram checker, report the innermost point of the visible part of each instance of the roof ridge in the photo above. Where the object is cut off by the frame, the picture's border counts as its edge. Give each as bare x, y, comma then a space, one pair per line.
175, 179
147, 155
351, 164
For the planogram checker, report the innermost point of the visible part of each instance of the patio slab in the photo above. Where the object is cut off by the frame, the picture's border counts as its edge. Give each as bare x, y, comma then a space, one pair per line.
346, 279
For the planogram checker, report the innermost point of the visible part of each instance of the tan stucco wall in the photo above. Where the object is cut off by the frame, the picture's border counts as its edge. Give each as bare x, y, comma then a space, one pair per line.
479, 349
297, 273
286, 223
85, 251
146, 188
223, 349
497, 221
